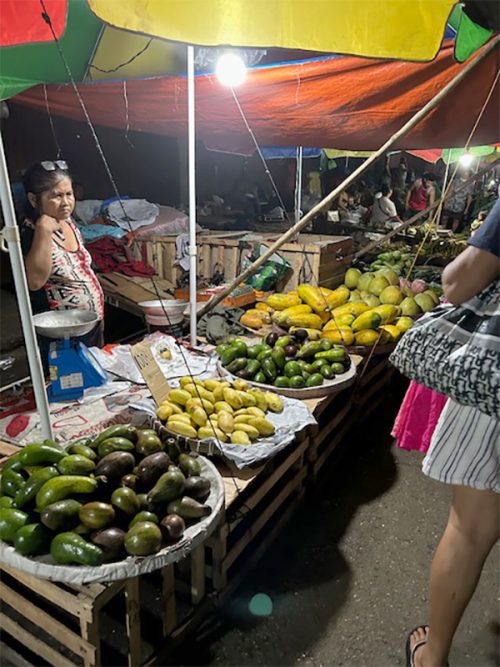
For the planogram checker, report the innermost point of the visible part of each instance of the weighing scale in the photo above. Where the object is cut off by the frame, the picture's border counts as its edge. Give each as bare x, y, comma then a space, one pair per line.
72, 366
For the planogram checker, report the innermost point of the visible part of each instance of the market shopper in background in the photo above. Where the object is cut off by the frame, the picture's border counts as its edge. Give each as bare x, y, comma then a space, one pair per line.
465, 453
420, 195
458, 203
383, 209
58, 266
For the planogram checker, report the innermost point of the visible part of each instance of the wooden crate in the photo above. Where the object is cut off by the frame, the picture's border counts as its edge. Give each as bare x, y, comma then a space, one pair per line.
314, 259
257, 508
128, 622
339, 415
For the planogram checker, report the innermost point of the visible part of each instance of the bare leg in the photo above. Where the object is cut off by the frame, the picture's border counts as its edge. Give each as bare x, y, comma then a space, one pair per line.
471, 532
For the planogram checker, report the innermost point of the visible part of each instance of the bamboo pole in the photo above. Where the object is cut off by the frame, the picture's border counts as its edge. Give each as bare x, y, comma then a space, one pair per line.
421, 214
325, 203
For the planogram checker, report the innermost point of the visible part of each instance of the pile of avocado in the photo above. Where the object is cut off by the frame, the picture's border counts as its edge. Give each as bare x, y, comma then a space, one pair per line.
290, 361
125, 492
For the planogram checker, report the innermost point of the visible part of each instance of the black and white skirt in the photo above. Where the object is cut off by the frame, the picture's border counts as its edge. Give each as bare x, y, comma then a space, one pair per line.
465, 449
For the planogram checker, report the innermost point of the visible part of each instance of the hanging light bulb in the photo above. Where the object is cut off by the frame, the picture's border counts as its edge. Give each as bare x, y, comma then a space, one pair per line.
466, 159
230, 70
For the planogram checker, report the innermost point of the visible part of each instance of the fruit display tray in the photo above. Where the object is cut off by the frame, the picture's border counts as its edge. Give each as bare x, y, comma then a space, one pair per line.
366, 350
132, 566
328, 387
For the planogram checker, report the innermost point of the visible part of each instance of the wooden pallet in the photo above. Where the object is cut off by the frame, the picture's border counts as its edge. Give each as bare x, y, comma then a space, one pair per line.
257, 508
127, 292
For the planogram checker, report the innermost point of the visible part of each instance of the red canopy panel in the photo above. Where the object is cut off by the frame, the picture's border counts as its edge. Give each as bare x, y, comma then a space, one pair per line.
22, 22
347, 102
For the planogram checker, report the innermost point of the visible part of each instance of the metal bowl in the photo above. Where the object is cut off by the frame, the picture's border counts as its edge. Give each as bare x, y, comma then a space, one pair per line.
65, 323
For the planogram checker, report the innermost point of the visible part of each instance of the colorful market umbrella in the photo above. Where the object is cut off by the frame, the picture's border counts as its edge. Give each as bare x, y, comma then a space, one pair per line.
99, 41
450, 155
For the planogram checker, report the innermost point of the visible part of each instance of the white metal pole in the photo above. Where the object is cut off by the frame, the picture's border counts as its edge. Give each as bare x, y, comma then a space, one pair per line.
192, 194
10, 234
298, 185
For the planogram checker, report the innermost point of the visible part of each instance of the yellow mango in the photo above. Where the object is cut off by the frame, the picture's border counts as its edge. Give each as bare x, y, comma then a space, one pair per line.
313, 297
256, 412
282, 301
187, 379
205, 432
388, 313
194, 403
176, 409
211, 384
263, 426
261, 401
182, 418
339, 336
247, 398
240, 438
404, 323
252, 432
182, 428
367, 337
325, 291
306, 320
199, 416
338, 297
179, 396
355, 308
222, 406
242, 419
240, 385
393, 332
233, 398
274, 402
368, 320
163, 412
225, 422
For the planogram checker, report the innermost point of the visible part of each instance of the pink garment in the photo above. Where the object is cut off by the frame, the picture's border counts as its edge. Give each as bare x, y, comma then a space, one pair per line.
417, 417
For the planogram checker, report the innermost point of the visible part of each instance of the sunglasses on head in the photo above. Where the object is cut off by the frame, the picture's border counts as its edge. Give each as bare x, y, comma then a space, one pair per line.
48, 165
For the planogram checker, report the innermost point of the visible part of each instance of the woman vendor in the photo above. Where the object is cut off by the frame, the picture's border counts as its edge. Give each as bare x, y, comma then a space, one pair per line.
58, 266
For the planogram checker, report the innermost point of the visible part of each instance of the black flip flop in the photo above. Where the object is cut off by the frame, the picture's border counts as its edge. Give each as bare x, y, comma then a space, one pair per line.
410, 652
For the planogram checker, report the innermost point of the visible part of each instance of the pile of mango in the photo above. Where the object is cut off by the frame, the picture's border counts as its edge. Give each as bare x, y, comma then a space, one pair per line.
292, 361
125, 492
367, 309
214, 408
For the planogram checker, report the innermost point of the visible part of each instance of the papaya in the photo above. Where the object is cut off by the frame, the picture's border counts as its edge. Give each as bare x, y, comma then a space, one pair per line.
313, 297
339, 336
282, 301
393, 332
251, 321
262, 314
355, 308
280, 316
312, 334
367, 337
388, 313
340, 322
260, 305
306, 320
368, 320
338, 297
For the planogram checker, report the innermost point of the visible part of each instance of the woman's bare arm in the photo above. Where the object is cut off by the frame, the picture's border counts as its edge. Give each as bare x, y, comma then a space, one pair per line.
38, 261
468, 274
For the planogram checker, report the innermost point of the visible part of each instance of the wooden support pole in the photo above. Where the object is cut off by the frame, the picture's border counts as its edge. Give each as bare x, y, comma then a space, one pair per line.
325, 203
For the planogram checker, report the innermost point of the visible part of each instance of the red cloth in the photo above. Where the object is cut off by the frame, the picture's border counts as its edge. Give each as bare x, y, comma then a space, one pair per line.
113, 255
346, 102
22, 23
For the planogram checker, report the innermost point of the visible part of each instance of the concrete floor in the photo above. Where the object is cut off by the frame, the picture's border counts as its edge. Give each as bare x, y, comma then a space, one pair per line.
348, 576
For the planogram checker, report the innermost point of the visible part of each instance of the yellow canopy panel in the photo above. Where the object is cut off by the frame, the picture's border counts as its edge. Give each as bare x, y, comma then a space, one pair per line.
402, 29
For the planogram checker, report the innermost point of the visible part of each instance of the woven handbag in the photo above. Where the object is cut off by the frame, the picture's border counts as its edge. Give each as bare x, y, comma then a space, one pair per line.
455, 350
